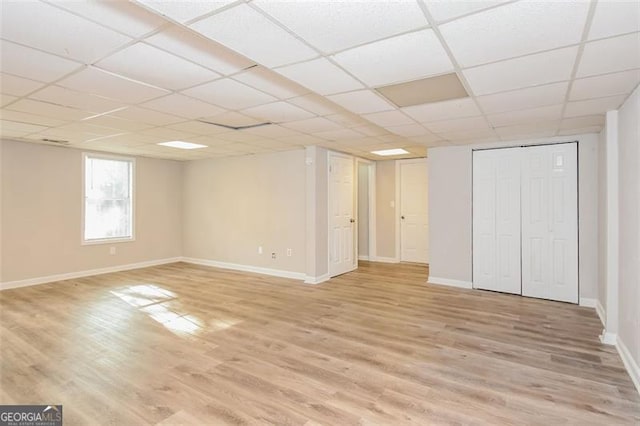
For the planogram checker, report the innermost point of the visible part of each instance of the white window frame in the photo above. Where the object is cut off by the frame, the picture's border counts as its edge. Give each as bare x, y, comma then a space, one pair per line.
83, 194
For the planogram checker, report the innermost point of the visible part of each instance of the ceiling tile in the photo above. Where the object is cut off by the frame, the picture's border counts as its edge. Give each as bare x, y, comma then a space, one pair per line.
313, 125
362, 102
370, 130
614, 18
48, 28
71, 98
610, 55
122, 16
337, 135
15, 128
270, 82
19, 60
445, 10
48, 110
230, 94
278, 112
347, 120
532, 97
542, 129
300, 140
199, 49
429, 139
409, 130
533, 115
516, 29
605, 85
533, 70
154, 68
580, 131
389, 118
183, 106
402, 58
147, 116
184, 11
6, 99
337, 25
315, 104
84, 127
271, 131
594, 106
321, 76
578, 122
116, 123
252, 34
458, 125
18, 86
474, 135
25, 117
198, 128
95, 81
456, 108
232, 118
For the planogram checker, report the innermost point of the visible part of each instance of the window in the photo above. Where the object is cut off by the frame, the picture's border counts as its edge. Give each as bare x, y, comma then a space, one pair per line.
108, 201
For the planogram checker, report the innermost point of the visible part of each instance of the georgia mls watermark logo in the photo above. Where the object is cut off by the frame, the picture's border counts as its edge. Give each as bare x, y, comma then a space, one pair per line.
30, 415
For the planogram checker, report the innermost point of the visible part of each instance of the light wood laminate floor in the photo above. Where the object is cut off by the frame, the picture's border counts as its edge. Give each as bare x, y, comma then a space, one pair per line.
185, 344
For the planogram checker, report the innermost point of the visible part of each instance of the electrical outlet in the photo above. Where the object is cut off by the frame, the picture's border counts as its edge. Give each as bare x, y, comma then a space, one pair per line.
259, 249
273, 255
289, 252
112, 250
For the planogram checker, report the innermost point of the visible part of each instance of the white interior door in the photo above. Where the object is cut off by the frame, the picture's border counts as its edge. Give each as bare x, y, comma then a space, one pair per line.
496, 220
341, 215
414, 222
550, 222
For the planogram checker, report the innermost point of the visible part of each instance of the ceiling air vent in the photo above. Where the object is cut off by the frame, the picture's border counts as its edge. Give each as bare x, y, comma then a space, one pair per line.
56, 141
425, 91
249, 126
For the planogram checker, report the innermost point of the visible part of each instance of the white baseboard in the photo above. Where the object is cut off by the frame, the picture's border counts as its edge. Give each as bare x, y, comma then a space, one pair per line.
87, 273
363, 257
587, 302
630, 364
246, 268
385, 259
608, 338
600, 312
317, 280
450, 282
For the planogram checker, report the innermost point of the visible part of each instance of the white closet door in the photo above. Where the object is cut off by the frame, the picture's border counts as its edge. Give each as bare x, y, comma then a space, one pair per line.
550, 222
414, 207
341, 218
496, 220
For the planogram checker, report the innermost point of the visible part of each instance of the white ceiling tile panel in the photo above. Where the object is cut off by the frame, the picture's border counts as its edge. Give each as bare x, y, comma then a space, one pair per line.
183, 106
199, 49
337, 135
153, 66
370, 130
95, 81
578, 122
605, 85
593, 106
122, 16
428, 139
389, 118
71, 98
456, 108
471, 136
531, 97
83, 127
610, 55
164, 134
614, 18
580, 131
6, 99
232, 118
25, 117
270, 82
515, 29
313, 125
443, 10
197, 128
362, 102
19, 60
300, 140
18, 86
271, 131
409, 130
347, 120
147, 116
14, 128
278, 112
321, 76
536, 129
253, 35
532, 70
398, 59
336, 25
459, 124
48, 110
184, 10
533, 115
48, 28
117, 123
315, 104
229, 94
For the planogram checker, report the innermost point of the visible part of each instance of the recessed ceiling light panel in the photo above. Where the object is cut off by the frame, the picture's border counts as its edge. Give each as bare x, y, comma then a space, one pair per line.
182, 145
424, 91
387, 152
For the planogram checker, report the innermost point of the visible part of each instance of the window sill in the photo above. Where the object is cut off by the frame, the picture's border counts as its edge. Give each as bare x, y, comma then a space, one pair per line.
107, 241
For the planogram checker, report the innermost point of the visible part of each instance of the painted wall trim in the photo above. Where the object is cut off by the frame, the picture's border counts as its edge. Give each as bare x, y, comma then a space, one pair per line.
601, 313
588, 302
608, 338
86, 273
246, 268
383, 259
629, 363
363, 257
317, 280
449, 282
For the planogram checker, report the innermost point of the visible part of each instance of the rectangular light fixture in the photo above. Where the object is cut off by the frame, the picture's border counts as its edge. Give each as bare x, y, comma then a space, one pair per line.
395, 151
182, 145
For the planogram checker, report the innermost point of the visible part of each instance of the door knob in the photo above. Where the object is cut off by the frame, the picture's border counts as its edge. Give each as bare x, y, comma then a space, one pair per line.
352, 220
402, 217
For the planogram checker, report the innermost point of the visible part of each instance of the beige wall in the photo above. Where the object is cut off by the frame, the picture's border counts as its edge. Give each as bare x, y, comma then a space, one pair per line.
385, 210
363, 209
602, 218
41, 213
629, 222
450, 210
233, 205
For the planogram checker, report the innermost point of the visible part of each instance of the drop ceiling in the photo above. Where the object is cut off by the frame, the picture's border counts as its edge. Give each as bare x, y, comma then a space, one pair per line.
123, 76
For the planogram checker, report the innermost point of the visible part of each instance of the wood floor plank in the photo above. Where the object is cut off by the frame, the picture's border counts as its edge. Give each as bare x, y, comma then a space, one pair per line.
189, 344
